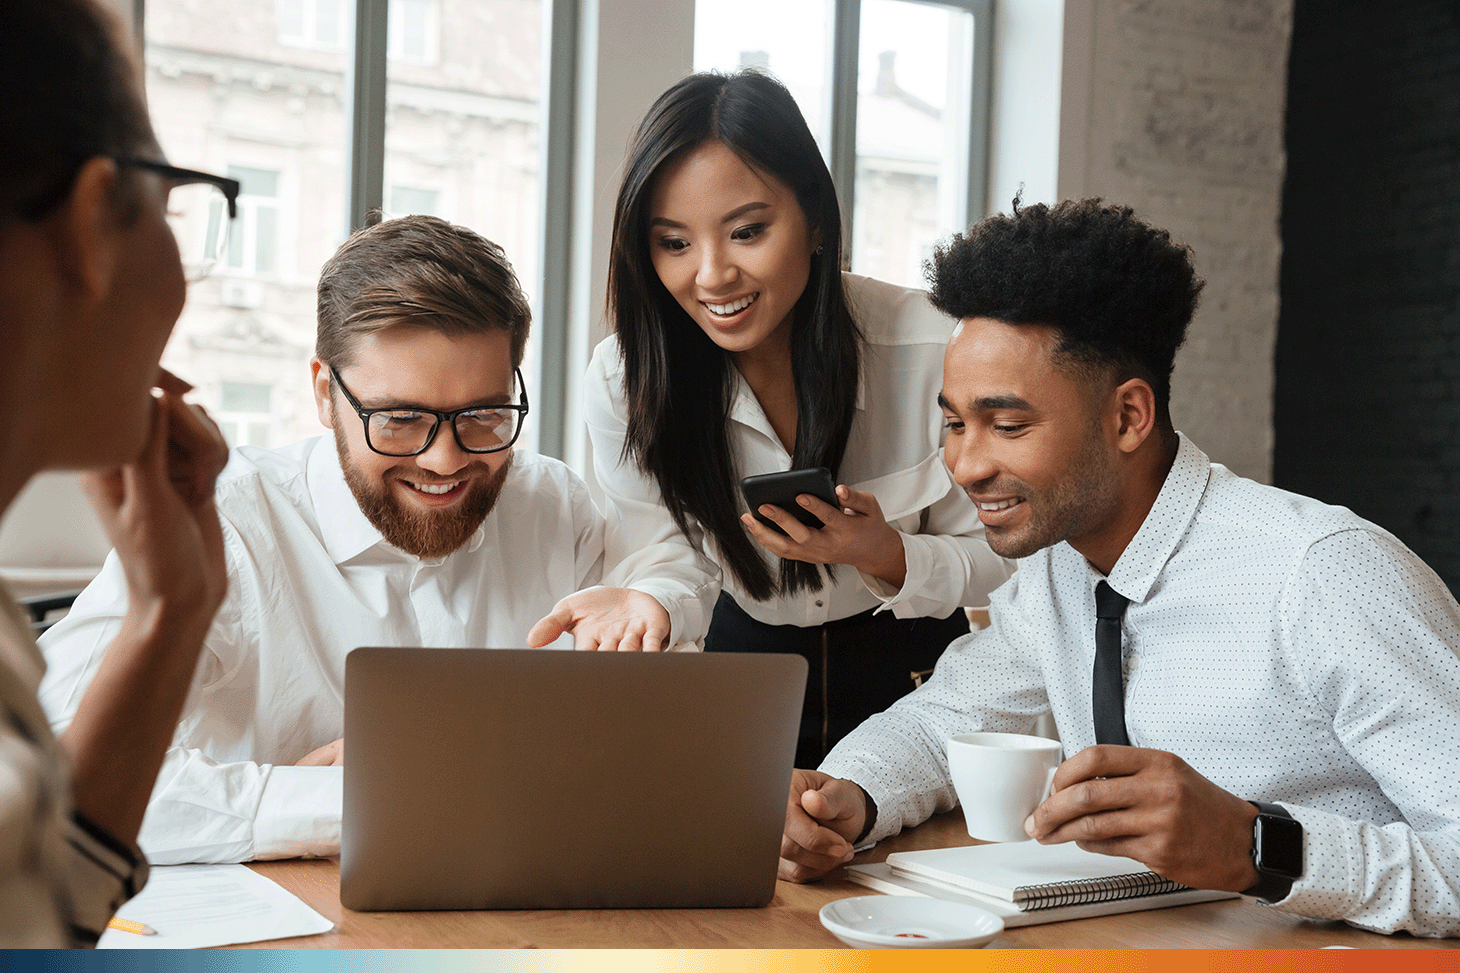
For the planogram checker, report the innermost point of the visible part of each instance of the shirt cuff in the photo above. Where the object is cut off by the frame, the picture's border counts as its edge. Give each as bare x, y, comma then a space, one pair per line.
911, 582
914, 582
1326, 889
887, 822
686, 613
102, 873
299, 813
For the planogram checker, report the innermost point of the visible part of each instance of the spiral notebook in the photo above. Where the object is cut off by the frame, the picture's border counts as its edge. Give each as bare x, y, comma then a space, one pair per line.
1028, 883
1033, 876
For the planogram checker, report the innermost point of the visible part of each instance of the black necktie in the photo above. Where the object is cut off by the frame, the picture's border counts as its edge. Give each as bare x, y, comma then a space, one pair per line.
1109, 684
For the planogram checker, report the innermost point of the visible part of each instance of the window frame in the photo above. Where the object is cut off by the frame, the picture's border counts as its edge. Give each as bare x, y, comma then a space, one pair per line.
243, 420
844, 64
311, 41
246, 225
568, 38
430, 39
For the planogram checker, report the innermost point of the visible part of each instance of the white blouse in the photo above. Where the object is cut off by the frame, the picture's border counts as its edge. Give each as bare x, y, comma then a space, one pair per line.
894, 452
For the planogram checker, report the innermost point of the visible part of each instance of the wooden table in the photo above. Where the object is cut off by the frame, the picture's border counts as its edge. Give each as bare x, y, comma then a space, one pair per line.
791, 921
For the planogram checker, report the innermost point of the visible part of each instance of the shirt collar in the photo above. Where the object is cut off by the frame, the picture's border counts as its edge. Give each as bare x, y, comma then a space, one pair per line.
1168, 521
745, 408
344, 530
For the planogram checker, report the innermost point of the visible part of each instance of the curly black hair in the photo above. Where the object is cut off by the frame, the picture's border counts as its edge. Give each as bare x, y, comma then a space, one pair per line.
1119, 291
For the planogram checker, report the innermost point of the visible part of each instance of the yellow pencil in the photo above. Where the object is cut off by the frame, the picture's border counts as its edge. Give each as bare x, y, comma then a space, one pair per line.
127, 925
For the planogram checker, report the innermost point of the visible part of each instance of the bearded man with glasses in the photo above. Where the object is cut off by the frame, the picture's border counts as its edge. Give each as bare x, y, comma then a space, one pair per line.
418, 524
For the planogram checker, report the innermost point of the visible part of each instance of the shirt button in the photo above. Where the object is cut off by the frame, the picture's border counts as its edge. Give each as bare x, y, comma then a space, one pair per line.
821, 604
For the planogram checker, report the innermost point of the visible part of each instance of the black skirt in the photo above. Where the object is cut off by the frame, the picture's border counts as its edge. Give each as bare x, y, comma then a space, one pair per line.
857, 666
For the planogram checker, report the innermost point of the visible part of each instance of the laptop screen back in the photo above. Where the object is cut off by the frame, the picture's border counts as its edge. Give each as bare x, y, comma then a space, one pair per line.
531, 779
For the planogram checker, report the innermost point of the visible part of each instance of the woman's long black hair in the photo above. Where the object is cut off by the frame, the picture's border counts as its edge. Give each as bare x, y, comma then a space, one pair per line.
678, 382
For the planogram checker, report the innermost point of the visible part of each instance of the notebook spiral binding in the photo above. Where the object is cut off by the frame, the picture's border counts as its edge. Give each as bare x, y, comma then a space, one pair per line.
1129, 886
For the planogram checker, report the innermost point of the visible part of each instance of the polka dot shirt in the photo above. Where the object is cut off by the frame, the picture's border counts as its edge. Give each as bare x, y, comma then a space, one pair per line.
1289, 651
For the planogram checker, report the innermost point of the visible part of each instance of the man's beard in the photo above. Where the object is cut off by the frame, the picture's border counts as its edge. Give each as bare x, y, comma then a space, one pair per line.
423, 533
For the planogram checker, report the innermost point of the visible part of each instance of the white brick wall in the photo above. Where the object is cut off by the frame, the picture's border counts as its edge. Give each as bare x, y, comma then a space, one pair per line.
1175, 107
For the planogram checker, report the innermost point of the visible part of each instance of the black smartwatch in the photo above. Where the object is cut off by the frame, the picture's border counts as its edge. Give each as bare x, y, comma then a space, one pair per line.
1277, 852
869, 809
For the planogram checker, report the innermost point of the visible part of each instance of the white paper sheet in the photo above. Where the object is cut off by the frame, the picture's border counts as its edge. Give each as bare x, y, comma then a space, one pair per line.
192, 906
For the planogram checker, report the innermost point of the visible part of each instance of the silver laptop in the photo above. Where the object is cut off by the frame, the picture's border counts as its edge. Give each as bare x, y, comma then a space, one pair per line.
539, 779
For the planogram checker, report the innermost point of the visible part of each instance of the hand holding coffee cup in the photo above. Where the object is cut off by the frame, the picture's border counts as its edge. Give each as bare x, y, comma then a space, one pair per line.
1000, 779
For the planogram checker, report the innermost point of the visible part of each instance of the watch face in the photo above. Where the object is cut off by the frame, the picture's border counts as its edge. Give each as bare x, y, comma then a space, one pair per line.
1279, 846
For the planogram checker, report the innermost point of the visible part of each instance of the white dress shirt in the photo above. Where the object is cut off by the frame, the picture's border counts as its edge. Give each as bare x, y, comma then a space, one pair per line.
1289, 651
309, 579
60, 878
894, 452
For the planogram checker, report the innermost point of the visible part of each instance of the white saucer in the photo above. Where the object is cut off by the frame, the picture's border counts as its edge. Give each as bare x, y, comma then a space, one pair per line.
905, 921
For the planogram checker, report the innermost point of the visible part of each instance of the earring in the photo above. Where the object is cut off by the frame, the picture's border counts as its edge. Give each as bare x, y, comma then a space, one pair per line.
819, 250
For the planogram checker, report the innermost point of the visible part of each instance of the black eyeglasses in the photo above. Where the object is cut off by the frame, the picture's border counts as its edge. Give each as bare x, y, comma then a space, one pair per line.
178, 178
410, 432
195, 205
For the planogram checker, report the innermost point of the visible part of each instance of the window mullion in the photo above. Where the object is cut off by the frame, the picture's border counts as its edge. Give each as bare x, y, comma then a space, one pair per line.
980, 108
365, 112
846, 30
556, 124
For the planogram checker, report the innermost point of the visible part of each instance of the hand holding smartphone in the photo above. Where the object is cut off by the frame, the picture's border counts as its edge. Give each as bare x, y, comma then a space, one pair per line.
782, 489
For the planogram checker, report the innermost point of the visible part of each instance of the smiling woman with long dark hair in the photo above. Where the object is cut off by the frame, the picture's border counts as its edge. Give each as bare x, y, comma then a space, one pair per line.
740, 347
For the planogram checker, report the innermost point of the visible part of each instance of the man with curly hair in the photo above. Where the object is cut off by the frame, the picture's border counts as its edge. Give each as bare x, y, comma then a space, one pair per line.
1273, 707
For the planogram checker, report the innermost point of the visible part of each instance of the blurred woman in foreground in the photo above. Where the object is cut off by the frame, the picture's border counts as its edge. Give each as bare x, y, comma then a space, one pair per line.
91, 283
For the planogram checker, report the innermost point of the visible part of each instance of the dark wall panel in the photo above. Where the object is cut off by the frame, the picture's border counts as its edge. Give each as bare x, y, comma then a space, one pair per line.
1367, 400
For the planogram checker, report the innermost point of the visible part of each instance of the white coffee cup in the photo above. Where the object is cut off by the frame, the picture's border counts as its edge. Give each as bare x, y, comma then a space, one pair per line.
1001, 778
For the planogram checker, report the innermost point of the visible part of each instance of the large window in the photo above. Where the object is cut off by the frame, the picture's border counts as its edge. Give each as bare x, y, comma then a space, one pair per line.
903, 134
790, 39
461, 122
914, 92
275, 92
260, 89
264, 88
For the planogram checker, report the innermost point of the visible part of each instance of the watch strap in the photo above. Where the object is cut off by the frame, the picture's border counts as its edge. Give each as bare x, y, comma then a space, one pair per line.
1270, 886
869, 809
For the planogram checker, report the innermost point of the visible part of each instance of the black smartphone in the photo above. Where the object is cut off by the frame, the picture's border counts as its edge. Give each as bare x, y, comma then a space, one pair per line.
782, 489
